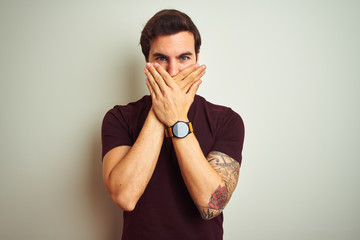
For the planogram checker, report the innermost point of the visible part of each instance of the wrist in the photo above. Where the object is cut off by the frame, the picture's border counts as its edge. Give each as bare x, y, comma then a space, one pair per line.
173, 121
154, 119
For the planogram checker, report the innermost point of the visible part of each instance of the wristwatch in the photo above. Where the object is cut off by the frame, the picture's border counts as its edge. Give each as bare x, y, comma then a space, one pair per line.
179, 130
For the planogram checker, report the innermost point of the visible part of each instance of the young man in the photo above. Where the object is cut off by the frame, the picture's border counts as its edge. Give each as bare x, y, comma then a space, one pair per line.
171, 160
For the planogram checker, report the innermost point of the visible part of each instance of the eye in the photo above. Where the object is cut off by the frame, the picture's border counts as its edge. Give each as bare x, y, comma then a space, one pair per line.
161, 59
184, 58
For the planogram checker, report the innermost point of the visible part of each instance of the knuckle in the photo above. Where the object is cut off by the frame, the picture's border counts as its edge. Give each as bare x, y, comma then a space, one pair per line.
165, 94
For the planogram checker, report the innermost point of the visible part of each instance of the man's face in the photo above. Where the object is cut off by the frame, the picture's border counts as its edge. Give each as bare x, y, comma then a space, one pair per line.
173, 52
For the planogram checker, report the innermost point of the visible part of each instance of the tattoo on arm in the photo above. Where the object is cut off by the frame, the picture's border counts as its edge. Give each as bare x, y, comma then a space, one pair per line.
228, 169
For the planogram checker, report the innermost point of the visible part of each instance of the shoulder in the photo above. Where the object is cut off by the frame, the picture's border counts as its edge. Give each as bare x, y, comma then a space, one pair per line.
130, 110
137, 105
227, 128
222, 114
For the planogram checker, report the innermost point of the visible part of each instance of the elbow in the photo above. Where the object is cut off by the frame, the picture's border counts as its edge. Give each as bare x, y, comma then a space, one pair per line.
123, 202
208, 213
122, 197
128, 207
207, 218
210, 216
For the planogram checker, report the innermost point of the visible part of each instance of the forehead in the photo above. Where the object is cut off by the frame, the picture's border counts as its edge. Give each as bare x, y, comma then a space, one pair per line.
173, 44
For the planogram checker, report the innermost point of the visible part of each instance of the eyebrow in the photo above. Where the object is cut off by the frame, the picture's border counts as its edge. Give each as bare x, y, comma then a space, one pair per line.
164, 56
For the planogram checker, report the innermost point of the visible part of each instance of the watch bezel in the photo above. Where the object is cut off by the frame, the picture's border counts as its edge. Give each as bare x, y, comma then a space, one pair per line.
182, 124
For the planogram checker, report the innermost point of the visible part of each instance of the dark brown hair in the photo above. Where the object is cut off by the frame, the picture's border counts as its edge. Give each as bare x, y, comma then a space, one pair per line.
167, 22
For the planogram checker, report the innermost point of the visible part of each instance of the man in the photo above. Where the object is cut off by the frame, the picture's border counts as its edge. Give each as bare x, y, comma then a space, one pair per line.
171, 160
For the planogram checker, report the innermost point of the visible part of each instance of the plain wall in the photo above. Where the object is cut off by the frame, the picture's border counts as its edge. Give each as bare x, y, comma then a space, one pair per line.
289, 68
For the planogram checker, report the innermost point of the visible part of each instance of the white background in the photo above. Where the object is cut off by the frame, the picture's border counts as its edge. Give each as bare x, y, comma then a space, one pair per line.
289, 68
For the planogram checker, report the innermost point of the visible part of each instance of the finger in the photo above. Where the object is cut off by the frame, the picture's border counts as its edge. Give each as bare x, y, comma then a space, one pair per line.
165, 76
185, 72
193, 77
156, 76
151, 91
193, 89
196, 74
152, 83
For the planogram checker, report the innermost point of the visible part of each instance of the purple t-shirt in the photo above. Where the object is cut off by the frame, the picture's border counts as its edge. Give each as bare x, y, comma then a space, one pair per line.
166, 209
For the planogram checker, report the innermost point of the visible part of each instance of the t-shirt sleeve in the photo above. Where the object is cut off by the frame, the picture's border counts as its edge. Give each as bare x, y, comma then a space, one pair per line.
230, 136
115, 130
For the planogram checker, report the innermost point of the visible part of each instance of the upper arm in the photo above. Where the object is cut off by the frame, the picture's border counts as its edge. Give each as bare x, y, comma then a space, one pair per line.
115, 131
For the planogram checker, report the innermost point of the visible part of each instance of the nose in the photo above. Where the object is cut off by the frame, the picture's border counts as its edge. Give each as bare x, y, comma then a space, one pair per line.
173, 68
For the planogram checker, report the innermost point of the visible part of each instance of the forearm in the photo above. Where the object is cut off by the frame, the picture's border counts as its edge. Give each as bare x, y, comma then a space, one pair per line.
200, 177
129, 177
204, 181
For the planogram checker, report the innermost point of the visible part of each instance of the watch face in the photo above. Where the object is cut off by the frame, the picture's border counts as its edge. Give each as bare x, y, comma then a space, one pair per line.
180, 129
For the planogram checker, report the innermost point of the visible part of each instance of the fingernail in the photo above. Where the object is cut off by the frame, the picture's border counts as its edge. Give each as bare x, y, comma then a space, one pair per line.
148, 65
146, 70
156, 65
197, 66
204, 67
